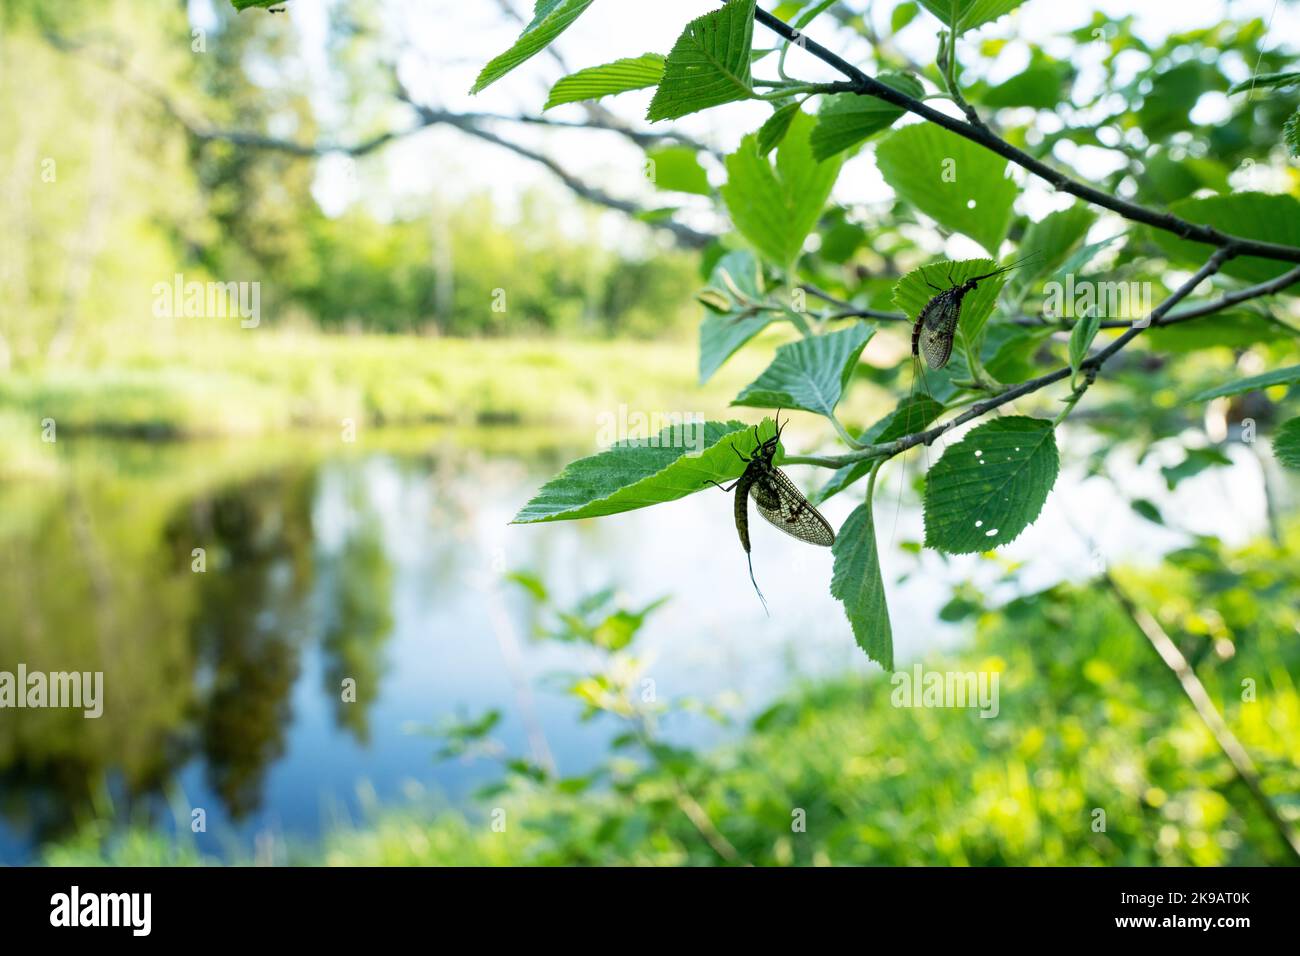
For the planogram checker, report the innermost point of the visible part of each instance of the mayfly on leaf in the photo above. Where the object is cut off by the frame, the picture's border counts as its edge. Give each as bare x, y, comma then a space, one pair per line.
776, 498
936, 326
938, 322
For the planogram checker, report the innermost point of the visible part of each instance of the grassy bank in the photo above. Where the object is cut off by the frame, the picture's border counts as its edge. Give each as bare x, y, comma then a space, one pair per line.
267, 381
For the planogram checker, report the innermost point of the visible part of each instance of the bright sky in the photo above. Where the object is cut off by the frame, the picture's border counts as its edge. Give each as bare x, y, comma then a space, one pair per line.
447, 42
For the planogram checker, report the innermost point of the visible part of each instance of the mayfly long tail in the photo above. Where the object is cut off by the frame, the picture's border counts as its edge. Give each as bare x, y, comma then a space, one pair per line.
750, 558
997, 412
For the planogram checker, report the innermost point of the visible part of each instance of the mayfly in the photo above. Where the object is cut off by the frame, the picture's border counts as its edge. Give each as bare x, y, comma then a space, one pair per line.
777, 500
936, 326
935, 330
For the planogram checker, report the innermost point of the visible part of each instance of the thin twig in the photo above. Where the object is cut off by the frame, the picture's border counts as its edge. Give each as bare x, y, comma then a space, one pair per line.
1191, 684
847, 310
685, 800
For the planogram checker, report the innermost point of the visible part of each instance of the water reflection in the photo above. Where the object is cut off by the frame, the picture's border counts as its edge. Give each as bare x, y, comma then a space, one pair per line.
241, 603
346, 595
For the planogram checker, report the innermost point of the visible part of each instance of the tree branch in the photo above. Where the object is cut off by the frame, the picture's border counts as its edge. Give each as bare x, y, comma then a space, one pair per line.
1089, 366
684, 234
467, 123
1284, 281
847, 310
864, 85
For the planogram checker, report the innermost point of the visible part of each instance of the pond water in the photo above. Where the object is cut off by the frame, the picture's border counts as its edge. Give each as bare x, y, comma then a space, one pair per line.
382, 562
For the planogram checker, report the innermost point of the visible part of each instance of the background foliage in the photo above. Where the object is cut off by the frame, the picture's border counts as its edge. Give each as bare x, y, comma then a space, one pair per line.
801, 287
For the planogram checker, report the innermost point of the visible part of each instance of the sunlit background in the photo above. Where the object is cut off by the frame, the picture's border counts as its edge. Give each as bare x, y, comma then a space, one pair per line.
349, 467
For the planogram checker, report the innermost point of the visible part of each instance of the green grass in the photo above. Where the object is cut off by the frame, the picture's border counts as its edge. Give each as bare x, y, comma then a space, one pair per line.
265, 382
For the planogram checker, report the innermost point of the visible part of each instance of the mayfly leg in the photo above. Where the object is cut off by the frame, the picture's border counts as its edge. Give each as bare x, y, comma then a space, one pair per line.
710, 481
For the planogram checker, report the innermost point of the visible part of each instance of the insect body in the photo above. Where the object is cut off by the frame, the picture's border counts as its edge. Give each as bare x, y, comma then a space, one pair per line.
776, 498
936, 326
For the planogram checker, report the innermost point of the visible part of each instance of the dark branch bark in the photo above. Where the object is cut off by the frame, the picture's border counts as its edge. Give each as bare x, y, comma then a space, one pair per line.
864, 85
1090, 366
847, 310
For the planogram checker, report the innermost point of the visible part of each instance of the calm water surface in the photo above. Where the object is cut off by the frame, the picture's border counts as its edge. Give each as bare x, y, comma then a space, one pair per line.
383, 563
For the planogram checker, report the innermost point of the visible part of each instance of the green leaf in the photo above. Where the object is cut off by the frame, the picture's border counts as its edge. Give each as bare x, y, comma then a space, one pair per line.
1165, 180
709, 63
1279, 376
550, 19
735, 287
773, 131
990, 486
912, 415
969, 14
633, 73
857, 583
1165, 110
960, 185
1008, 350
917, 288
1082, 257
678, 169
1148, 510
810, 374
1291, 134
1056, 303
530, 582
1286, 444
1235, 328
812, 13
1081, 336
1048, 242
1040, 85
903, 14
1265, 216
840, 240
1265, 81
643, 472
242, 5
776, 208
659, 214
1194, 462
846, 119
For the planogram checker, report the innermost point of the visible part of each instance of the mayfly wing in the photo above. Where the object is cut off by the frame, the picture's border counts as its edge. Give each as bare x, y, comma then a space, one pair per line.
783, 505
937, 327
